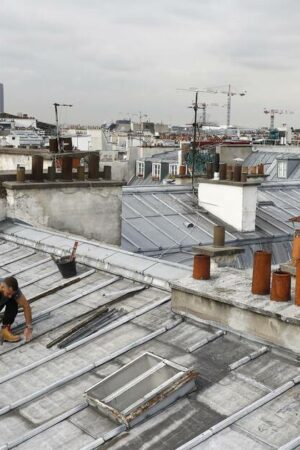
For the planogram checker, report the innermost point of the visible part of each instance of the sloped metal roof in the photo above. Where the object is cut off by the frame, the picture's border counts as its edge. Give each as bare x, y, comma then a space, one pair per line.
269, 159
41, 396
154, 222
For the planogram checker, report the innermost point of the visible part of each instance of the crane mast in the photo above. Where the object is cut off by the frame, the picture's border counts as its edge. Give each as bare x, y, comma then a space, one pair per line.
272, 113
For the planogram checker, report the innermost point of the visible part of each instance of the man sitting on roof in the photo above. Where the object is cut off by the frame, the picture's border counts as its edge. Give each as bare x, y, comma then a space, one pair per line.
11, 298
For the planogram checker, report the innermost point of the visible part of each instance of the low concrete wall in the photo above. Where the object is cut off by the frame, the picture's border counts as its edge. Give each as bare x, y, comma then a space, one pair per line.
89, 209
269, 329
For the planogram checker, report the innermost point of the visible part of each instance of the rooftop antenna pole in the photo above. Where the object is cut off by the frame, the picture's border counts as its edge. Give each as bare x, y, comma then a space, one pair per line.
194, 139
57, 127
195, 107
272, 120
56, 105
229, 106
204, 105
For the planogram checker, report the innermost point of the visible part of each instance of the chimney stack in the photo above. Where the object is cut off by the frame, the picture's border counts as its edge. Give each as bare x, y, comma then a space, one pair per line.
233, 202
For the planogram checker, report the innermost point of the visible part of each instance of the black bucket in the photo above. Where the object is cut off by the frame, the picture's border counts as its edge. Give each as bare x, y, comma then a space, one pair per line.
66, 267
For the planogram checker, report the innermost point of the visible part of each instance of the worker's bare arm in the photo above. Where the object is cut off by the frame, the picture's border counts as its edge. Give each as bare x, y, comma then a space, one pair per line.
22, 301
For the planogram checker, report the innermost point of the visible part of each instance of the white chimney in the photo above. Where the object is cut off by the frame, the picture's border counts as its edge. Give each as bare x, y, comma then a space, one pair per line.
232, 202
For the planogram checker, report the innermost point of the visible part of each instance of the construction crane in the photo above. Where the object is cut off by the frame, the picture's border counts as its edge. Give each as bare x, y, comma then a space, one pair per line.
56, 106
204, 107
229, 92
272, 113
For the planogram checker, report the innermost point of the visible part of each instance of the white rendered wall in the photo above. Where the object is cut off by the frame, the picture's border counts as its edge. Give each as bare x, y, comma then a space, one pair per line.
11, 161
234, 204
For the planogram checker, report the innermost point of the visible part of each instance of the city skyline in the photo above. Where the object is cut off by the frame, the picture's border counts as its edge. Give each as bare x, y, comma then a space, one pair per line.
107, 57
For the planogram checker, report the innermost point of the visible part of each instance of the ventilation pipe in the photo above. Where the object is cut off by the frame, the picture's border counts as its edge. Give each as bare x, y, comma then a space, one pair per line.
67, 168
222, 171
201, 269
80, 173
237, 171
20, 177
37, 168
296, 248
219, 236
297, 288
210, 170
261, 273
229, 173
281, 286
94, 160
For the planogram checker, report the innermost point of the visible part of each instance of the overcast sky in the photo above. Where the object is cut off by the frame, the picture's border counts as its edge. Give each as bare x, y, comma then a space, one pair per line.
110, 57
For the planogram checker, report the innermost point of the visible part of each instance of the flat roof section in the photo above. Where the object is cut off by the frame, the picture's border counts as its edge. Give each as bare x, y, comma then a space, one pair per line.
226, 300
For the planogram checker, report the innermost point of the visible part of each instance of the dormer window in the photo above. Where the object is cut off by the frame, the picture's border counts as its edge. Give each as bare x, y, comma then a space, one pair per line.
156, 171
140, 169
173, 169
282, 169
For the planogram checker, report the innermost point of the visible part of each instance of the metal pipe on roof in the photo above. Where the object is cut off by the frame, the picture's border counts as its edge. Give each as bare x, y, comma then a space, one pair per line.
281, 286
80, 295
61, 285
91, 315
93, 164
201, 268
261, 276
297, 288
237, 172
110, 327
37, 168
222, 171
66, 168
219, 236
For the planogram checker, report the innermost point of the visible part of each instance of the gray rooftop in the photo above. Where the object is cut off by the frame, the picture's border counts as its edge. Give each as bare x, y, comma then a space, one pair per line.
269, 160
153, 223
41, 397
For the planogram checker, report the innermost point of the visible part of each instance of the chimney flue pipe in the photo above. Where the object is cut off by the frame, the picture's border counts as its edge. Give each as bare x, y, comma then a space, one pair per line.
219, 236
201, 270
261, 273
281, 286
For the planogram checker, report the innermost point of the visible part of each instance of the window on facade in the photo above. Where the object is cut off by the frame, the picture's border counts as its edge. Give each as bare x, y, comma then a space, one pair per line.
282, 169
173, 169
156, 170
140, 168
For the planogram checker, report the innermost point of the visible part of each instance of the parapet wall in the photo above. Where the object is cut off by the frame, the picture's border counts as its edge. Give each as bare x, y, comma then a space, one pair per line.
89, 208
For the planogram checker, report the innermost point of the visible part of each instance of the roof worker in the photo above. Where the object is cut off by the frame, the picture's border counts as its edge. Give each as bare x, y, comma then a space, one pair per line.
11, 297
